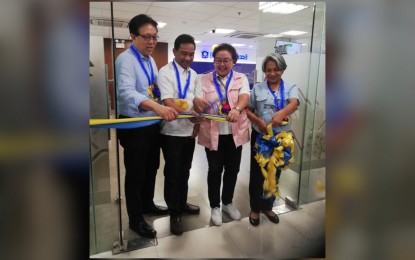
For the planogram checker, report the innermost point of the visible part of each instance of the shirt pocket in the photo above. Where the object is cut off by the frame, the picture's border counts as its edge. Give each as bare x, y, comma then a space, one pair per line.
234, 95
260, 104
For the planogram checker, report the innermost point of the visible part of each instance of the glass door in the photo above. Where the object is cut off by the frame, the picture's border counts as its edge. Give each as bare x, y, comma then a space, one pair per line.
305, 67
102, 218
313, 171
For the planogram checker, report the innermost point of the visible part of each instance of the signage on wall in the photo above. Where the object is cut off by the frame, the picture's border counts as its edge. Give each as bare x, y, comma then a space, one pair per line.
209, 55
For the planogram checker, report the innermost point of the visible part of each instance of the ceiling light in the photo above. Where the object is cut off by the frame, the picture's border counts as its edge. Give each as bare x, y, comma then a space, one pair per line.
273, 35
293, 33
222, 31
198, 41
238, 44
280, 8
161, 25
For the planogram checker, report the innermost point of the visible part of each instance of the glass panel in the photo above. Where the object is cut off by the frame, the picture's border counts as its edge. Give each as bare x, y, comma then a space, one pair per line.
103, 231
295, 50
312, 181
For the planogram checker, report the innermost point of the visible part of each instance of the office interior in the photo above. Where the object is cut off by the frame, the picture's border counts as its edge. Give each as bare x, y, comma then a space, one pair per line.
301, 204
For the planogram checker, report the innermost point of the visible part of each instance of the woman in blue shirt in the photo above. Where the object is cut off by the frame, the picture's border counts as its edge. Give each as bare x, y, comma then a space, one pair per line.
271, 102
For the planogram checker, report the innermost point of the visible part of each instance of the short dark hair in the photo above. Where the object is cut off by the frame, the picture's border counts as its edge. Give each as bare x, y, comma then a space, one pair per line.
226, 47
183, 38
140, 20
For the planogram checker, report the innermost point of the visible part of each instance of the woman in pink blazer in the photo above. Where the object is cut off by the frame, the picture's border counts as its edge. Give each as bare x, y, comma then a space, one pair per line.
224, 92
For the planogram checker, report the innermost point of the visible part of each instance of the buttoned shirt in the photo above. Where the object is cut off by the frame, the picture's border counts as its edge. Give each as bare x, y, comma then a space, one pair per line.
167, 82
132, 83
262, 101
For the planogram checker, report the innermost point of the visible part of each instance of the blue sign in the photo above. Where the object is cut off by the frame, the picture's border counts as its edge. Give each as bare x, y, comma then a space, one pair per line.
243, 57
205, 54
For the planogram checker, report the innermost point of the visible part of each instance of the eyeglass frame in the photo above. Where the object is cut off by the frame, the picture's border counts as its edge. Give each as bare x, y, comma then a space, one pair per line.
149, 38
227, 62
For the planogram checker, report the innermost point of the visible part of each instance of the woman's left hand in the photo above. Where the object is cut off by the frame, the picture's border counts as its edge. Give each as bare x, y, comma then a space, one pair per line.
233, 115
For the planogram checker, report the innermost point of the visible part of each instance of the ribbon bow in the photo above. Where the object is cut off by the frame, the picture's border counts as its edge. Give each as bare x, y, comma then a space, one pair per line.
274, 150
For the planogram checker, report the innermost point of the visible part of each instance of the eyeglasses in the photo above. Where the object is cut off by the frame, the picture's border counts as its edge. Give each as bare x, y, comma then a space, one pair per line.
225, 61
148, 38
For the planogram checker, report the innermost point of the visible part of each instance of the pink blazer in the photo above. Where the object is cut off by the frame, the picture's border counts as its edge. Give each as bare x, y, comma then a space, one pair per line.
209, 129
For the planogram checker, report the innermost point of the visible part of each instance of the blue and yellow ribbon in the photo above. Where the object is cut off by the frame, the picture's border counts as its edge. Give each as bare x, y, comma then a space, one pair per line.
274, 150
135, 122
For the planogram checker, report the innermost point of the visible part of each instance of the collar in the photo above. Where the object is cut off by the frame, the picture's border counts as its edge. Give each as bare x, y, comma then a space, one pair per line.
180, 68
141, 55
236, 75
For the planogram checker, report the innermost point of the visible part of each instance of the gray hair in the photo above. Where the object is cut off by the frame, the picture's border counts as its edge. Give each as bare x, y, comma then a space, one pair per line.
277, 58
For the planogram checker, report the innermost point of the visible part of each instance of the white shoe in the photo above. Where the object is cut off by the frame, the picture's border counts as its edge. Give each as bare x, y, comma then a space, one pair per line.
232, 211
216, 216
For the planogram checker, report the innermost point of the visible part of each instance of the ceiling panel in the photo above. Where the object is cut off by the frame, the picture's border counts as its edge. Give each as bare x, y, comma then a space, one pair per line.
253, 6
206, 8
173, 5
198, 18
131, 7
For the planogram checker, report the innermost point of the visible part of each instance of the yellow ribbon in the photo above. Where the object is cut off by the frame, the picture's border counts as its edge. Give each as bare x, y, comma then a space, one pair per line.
134, 119
271, 163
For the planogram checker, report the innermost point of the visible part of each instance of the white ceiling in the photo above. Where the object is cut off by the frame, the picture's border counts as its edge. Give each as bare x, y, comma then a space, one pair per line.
199, 18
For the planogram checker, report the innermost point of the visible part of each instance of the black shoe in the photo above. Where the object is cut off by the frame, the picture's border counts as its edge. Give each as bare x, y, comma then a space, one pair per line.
273, 219
191, 209
254, 222
156, 210
143, 229
176, 225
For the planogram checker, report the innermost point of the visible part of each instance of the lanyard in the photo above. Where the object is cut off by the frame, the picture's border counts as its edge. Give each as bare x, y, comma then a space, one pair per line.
215, 80
150, 80
179, 85
282, 94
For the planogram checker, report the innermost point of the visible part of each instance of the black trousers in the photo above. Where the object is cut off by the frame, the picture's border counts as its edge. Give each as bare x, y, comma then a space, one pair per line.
256, 181
178, 156
227, 157
141, 161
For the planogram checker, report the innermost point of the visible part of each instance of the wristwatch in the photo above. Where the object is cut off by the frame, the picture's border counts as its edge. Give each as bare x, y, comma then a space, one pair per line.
239, 109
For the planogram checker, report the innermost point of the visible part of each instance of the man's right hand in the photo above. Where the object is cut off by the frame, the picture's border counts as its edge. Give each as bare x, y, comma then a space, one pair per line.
167, 113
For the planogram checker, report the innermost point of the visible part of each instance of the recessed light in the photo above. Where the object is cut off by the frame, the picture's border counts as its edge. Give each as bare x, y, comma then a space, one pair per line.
238, 44
161, 24
280, 8
293, 33
273, 35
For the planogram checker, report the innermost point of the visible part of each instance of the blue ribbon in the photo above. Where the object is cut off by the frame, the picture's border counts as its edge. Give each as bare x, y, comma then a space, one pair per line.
128, 125
266, 148
179, 85
282, 94
215, 80
137, 55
